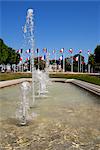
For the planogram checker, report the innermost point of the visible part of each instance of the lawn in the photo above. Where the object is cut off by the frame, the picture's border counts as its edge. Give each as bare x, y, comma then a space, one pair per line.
83, 77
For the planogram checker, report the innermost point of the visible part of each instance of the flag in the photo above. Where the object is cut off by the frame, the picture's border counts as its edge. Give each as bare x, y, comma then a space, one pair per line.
41, 58
20, 50
53, 51
61, 58
44, 57
21, 58
37, 50
88, 52
80, 51
82, 63
28, 51
28, 58
62, 50
45, 50
76, 58
70, 50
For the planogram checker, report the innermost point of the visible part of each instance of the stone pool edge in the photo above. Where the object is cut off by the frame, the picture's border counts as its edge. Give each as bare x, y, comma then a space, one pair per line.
13, 82
85, 85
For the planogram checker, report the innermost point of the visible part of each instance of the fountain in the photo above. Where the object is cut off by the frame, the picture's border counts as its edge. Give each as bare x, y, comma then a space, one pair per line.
42, 83
23, 112
82, 124
28, 30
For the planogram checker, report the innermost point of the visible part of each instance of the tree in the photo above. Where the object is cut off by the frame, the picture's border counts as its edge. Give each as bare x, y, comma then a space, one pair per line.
97, 54
97, 58
3, 52
8, 55
78, 63
91, 61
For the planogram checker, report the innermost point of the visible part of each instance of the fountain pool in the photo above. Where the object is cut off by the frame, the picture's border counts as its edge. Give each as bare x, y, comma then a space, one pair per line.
68, 119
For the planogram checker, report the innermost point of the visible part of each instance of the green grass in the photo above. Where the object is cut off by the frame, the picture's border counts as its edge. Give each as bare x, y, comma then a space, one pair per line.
83, 77
11, 76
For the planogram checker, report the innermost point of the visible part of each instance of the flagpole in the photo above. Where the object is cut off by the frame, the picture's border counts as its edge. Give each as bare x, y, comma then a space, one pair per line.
63, 62
30, 64
78, 61
45, 62
82, 67
88, 61
55, 61
71, 51
22, 67
72, 64
38, 60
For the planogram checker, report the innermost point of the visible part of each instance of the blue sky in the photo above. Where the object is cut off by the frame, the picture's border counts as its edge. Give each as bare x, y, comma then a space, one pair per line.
58, 24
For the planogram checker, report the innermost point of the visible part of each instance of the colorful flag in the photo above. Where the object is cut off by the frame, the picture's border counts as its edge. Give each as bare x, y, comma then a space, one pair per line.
20, 50
21, 58
83, 63
80, 51
53, 51
88, 52
28, 58
70, 50
61, 58
28, 51
37, 50
62, 50
76, 58
45, 50
44, 57
41, 58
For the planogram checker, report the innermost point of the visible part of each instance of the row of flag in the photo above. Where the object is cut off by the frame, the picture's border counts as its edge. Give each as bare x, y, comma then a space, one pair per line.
74, 58
44, 58
45, 50
29, 50
28, 58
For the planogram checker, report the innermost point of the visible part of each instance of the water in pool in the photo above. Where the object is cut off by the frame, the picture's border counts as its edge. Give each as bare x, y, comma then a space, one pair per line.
67, 119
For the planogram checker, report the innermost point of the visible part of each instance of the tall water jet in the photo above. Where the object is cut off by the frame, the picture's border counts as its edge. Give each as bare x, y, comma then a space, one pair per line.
23, 112
42, 83
29, 37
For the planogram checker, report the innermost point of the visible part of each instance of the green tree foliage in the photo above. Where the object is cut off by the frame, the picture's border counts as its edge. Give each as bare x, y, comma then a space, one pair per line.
76, 60
41, 63
97, 58
91, 60
94, 59
8, 55
97, 54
